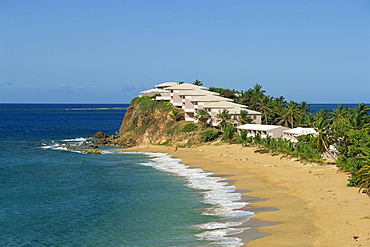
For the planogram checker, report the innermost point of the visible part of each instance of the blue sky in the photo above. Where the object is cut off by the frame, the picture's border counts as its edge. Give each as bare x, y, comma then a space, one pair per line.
108, 51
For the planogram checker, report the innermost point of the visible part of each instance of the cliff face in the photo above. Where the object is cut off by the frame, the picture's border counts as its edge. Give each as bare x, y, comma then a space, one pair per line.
152, 122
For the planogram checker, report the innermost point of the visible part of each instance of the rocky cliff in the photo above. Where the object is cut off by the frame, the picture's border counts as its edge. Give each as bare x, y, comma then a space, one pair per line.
154, 122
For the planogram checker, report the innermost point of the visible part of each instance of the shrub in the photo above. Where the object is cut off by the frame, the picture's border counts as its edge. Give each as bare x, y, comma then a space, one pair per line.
262, 151
189, 127
176, 114
210, 135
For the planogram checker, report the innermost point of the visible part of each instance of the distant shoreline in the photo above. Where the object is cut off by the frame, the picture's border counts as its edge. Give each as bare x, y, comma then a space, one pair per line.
315, 207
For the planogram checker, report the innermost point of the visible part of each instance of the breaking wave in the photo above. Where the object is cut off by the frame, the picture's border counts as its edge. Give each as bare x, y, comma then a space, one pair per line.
226, 202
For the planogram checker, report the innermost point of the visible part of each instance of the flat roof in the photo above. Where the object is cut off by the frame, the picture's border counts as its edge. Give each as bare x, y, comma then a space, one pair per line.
300, 130
262, 127
253, 112
237, 110
167, 84
207, 98
224, 104
197, 92
150, 91
185, 86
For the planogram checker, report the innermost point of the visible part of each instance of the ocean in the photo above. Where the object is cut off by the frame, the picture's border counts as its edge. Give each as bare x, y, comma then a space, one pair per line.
329, 107
54, 197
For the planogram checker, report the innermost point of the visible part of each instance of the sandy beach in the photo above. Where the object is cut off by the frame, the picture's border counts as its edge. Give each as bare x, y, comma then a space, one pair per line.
295, 204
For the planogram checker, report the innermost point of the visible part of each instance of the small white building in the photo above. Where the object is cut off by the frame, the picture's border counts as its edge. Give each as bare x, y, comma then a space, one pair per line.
275, 131
292, 134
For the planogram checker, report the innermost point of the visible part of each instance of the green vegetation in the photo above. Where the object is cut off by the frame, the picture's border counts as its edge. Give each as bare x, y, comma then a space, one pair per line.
147, 104
202, 116
147, 120
157, 122
244, 118
189, 127
224, 118
228, 133
210, 134
198, 82
347, 130
176, 114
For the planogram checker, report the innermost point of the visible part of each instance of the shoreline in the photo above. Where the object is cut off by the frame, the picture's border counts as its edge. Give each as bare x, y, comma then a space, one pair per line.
314, 205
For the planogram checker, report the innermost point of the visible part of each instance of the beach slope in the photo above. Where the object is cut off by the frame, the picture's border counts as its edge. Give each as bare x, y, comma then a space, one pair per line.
313, 205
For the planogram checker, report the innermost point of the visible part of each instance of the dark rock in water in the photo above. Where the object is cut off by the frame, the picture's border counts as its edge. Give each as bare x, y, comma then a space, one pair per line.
91, 151
86, 150
99, 135
105, 141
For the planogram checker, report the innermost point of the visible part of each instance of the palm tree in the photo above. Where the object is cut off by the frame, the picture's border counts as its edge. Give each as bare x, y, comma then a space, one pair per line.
310, 120
279, 101
251, 96
290, 114
364, 172
224, 117
362, 108
202, 116
277, 109
243, 137
264, 105
229, 131
197, 82
176, 115
339, 122
257, 90
303, 109
257, 139
243, 117
359, 119
339, 115
286, 147
323, 138
322, 114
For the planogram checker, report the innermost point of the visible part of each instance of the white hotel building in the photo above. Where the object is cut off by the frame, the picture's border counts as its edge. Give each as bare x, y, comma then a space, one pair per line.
190, 98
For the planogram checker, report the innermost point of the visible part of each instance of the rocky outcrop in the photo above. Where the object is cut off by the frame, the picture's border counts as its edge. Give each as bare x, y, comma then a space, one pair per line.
99, 135
147, 121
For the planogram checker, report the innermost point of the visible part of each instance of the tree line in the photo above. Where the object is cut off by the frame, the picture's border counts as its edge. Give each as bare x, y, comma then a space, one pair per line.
343, 133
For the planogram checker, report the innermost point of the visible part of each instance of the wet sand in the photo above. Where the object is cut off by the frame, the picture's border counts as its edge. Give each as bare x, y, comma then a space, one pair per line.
295, 204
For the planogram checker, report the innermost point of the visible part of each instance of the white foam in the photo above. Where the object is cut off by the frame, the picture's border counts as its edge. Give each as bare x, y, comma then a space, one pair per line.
80, 139
59, 146
225, 201
220, 236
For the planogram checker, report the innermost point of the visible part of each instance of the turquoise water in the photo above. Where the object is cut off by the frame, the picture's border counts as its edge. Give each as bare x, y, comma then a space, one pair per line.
54, 197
